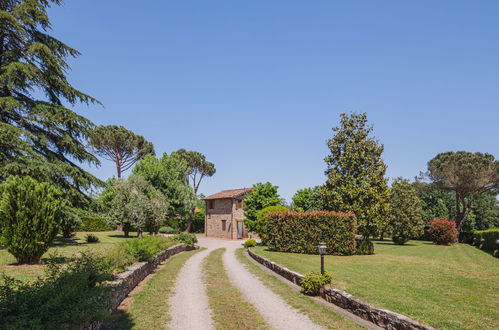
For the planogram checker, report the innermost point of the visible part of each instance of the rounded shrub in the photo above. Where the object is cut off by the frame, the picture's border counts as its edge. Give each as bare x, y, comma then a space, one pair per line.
249, 243
168, 230
186, 238
91, 238
400, 239
30, 217
443, 231
312, 282
363, 246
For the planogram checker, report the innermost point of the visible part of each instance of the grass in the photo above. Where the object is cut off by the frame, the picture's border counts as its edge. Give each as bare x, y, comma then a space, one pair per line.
229, 309
149, 306
63, 248
318, 313
448, 287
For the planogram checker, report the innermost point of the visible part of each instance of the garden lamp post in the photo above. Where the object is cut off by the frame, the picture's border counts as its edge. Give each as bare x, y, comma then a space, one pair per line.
322, 251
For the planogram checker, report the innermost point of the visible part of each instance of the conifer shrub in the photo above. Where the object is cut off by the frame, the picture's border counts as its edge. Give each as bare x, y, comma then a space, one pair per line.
363, 246
312, 282
30, 217
91, 238
249, 243
301, 232
486, 239
443, 231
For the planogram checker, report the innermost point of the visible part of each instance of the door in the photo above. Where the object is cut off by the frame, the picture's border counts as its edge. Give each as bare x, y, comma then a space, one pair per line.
240, 229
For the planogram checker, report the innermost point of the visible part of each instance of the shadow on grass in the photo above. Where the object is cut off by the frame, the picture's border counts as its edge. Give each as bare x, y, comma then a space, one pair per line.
391, 243
122, 236
119, 320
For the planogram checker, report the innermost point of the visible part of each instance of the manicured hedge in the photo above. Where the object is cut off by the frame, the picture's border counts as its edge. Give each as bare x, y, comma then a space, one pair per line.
301, 232
95, 224
489, 239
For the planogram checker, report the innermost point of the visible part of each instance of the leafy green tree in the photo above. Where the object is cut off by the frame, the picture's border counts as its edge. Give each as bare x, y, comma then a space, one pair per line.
307, 199
39, 135
436, 203
468, 175
356, 174
138, 205
405, 220
120, 145
30, 217
261, 196
199, 168
486, 211
261, 220
168, 175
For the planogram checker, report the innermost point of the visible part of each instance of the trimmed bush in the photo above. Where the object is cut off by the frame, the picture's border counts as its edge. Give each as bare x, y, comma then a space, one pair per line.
30, 217
67, 296
363, 246
146, 247
95, 224
261, 220
91, 238
167, 230
301, 232
312, 282
249, 243
186, 238
486, 239
443, 231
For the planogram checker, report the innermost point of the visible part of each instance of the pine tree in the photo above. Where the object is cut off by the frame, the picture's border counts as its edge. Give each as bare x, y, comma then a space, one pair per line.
39, 135
356, 174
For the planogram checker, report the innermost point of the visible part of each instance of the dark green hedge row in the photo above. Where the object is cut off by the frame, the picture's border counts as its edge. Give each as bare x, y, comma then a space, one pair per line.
301, 232
486, 239
95, 224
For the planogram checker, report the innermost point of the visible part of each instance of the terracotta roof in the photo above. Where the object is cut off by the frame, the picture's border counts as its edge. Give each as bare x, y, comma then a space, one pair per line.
233, 193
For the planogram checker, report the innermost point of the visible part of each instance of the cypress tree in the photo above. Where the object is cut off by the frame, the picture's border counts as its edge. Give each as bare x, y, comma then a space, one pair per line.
39, 135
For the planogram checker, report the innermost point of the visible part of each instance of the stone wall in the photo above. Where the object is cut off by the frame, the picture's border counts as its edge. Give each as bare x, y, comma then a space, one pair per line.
381, 317
125, 282
222, 211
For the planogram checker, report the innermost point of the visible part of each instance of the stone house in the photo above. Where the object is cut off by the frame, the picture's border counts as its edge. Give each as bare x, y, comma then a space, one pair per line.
224, 217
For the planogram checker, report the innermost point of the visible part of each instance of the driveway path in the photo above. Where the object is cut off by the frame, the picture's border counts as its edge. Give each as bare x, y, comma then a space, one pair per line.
189, 306
277, 313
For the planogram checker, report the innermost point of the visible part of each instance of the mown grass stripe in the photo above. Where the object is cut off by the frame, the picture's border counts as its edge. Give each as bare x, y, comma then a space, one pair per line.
229, 309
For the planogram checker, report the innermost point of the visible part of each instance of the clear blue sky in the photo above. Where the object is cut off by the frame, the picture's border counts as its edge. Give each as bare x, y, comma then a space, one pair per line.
257, 85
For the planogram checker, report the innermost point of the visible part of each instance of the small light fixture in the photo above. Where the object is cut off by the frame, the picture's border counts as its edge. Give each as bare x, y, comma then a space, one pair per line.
322, 251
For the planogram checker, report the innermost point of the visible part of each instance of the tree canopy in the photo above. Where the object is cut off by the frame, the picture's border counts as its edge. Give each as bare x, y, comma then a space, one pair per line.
120, 145
261, 196
356, 174
468, 175
405, 220
307, 199
39, 135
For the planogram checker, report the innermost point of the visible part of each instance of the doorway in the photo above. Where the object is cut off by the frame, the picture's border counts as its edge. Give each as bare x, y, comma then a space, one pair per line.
240, 229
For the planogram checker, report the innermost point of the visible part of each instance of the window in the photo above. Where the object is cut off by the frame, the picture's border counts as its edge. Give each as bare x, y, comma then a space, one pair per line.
224, 225
239, 204
211, 204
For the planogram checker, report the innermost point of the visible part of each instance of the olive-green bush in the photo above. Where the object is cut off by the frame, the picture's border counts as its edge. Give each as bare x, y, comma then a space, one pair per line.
313, 281
301, 232
30, 217
91, 238
186, 238
168, 230
146, 247
67, 297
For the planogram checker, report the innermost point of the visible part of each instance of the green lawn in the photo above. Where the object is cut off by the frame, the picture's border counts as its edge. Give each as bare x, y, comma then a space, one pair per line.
64, 248
448, 287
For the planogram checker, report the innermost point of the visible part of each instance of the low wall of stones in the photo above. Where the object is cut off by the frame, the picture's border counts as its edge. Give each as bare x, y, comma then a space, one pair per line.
381, 317
125, 282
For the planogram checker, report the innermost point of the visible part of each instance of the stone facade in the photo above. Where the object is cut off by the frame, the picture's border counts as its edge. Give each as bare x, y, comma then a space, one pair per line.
224, 217
381, 317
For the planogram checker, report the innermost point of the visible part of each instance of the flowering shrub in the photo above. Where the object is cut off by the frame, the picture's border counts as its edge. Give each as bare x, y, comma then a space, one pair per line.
443, 231
301, 232
313, 281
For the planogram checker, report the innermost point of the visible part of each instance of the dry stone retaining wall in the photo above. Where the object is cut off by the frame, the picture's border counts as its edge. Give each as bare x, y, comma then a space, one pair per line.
381, 317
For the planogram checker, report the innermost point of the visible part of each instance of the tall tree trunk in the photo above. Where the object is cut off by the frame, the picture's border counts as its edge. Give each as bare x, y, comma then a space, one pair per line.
139, 233
188, 224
